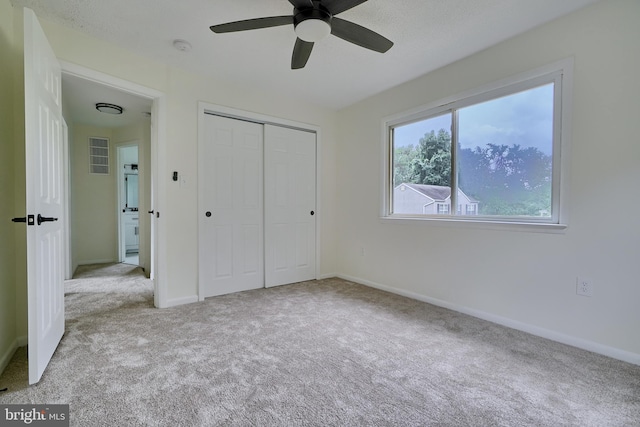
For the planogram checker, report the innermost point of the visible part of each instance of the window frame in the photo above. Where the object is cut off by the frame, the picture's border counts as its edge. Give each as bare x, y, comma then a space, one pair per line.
561, 75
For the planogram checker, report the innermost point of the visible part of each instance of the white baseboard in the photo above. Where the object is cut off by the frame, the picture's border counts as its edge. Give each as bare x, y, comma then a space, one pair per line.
583, 344
180, 301
326, 276
8, 354
98, 261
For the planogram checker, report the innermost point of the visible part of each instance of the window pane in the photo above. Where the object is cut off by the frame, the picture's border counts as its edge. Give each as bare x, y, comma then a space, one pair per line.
422, 166
505, 154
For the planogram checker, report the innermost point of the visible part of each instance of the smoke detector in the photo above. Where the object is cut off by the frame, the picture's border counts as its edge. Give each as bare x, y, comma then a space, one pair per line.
182, 45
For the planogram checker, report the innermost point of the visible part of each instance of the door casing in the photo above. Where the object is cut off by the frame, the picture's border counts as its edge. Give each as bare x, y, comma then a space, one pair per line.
158, 160
120, 193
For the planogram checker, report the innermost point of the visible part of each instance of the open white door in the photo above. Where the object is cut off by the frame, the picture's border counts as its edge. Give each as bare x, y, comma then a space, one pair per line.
44, 182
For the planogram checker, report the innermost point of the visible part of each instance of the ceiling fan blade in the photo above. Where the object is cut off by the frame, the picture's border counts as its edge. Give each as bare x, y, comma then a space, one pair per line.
252, 24
301, 53
339, 6
298, 4
359, 35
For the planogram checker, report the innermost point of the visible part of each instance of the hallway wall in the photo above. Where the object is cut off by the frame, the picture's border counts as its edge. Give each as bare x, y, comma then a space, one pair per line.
8, 332
94, 197
93, 201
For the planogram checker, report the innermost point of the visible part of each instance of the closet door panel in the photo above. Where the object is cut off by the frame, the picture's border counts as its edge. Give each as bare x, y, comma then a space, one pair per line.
290, 197
231, 230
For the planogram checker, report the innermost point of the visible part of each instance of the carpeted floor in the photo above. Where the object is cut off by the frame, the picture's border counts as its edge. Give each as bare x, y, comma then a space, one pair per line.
322, 353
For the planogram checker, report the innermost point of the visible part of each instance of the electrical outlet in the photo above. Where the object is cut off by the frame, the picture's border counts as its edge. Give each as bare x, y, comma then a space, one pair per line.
584, 287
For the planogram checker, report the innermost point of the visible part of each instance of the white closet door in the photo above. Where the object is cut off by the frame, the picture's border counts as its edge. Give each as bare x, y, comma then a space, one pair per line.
231, 247
290, 197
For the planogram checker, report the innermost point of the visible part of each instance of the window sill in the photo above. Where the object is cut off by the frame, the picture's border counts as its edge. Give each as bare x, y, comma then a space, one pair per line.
536, 227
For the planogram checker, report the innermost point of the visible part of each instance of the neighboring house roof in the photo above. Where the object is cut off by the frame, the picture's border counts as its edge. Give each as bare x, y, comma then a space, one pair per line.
438, 193
434, 192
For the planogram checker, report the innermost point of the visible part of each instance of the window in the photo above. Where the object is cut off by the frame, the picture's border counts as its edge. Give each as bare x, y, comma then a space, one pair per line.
443, 208
99, 156
499, 148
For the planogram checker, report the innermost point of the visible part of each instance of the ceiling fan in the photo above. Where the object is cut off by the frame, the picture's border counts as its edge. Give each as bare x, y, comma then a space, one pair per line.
312, 21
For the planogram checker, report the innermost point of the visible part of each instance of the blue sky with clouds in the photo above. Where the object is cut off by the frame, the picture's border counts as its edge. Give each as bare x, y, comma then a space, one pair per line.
524, 118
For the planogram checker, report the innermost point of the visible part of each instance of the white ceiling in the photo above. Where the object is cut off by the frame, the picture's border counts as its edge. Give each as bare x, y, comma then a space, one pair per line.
428, 34
80, 96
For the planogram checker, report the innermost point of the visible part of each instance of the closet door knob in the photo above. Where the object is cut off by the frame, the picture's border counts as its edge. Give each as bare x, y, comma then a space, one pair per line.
312, 213
207, 214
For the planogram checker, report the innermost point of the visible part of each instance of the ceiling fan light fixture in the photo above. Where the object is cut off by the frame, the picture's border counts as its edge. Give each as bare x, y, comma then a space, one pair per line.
312, 25
104, 107
313, 30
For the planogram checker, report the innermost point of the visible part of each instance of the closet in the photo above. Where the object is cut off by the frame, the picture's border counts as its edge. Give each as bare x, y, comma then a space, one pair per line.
257, 202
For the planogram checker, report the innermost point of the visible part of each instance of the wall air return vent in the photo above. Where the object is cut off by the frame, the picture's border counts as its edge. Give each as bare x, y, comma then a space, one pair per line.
99, 155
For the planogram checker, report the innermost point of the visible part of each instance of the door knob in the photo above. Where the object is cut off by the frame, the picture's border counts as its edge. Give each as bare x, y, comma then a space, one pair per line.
312, 213
42, 219
207, 214
29, 219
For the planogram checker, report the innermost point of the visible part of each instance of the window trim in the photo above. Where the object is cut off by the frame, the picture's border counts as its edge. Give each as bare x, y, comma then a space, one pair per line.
561, 74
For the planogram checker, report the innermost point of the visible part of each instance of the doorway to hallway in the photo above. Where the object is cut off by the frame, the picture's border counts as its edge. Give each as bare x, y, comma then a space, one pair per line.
106, 204
128, 203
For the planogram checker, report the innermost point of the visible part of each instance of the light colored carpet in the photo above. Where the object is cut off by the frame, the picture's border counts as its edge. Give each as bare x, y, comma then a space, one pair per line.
322, 353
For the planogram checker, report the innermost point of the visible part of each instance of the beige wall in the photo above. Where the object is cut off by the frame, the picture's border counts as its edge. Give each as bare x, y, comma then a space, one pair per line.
94, 208
8, 332
525, 279
93, 201
19, 196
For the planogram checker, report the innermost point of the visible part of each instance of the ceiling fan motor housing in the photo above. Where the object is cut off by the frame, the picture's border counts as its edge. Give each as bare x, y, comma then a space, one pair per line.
313, 24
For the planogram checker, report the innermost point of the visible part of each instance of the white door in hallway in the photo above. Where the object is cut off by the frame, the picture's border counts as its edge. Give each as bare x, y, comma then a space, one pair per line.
231, 247
290, 205
44, 198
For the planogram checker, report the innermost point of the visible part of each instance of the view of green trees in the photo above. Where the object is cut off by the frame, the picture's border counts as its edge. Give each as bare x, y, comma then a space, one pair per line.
505, 180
